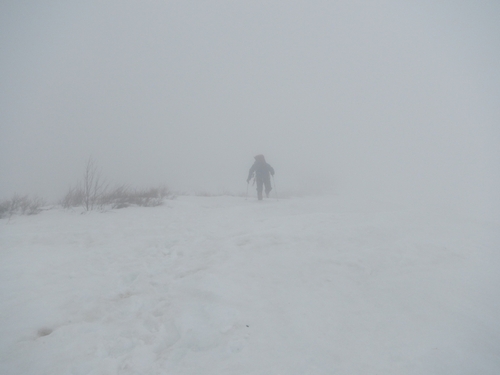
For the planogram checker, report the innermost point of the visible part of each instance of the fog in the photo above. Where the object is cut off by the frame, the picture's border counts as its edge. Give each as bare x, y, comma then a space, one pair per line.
399, 100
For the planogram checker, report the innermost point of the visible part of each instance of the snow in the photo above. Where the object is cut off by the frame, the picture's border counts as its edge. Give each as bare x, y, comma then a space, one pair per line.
227, 285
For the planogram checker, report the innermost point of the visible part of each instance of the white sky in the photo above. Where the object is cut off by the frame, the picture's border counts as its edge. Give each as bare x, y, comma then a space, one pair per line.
394, 98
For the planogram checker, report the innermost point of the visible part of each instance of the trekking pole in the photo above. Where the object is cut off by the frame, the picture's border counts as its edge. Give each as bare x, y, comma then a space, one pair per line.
246, 195
275, 190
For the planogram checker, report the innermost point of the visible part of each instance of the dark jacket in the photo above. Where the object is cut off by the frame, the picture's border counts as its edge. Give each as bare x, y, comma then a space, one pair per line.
261, 169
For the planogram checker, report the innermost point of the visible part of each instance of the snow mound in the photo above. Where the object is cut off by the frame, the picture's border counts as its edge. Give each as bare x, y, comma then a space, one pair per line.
224, 285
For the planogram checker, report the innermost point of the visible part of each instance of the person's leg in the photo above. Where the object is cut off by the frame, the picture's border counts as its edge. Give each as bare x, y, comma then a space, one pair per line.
267, 183
260, 184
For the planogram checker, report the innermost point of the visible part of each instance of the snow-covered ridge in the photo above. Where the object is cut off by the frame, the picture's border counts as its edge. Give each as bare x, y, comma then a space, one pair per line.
224, 285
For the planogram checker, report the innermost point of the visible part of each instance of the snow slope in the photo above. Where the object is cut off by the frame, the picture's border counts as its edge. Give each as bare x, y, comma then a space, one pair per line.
224, 285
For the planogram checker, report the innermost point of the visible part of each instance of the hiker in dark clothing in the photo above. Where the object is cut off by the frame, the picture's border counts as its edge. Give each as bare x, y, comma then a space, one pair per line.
262, 171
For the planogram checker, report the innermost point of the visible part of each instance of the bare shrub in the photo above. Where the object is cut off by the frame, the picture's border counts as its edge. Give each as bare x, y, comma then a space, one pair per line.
150, 197
116, 198
4, 208
93, 186
123, 197
73, 198
89, 192
14, 204
92, 192
21, 205
35, 205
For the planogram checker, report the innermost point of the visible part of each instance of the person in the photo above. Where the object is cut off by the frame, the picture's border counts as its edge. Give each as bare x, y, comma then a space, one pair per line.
262, 171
